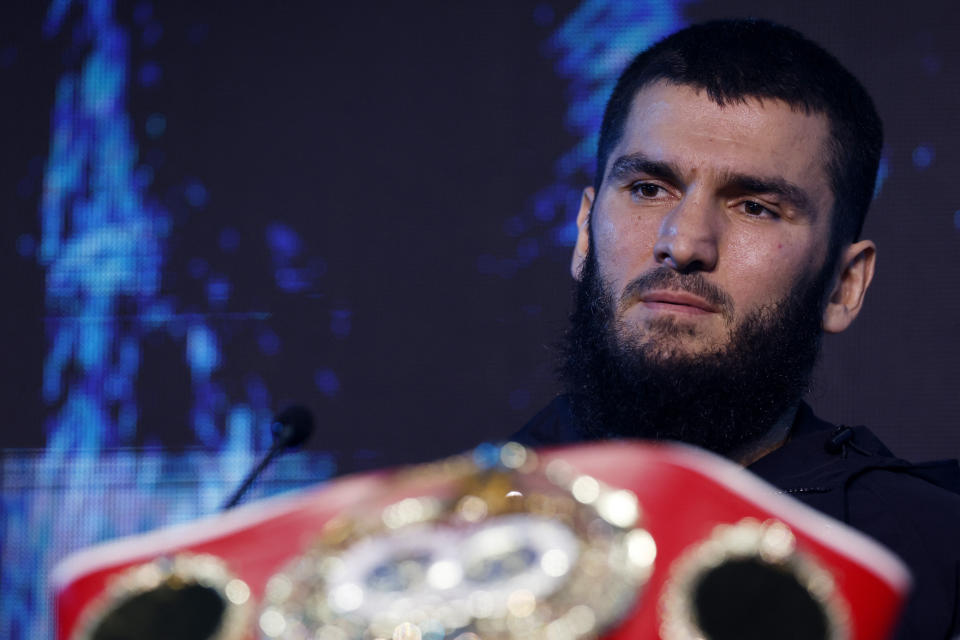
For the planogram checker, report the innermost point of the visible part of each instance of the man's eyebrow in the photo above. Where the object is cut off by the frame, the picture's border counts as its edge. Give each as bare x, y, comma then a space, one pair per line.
786, 191
633, 164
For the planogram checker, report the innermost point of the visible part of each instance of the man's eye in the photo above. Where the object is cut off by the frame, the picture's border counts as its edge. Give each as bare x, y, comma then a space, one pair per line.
752, 208
647, 189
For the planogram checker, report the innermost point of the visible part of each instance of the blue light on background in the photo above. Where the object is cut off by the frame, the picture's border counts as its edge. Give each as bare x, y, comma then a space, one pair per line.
883, 173
923, 156
327, 382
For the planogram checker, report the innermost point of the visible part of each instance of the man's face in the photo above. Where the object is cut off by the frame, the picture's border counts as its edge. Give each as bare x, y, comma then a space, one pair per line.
707, 215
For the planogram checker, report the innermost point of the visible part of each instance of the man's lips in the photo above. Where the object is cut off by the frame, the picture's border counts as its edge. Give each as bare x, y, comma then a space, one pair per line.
679, 301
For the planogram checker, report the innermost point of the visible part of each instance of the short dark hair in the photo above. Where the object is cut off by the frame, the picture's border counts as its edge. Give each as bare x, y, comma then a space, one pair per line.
733, 60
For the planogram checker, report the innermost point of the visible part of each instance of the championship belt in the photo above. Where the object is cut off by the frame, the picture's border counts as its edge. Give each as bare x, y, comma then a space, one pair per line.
613, 540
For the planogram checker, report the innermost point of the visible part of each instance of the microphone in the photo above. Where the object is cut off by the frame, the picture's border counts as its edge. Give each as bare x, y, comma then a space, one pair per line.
291, 428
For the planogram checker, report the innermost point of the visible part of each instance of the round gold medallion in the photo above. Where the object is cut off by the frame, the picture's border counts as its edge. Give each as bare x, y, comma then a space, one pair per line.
507, 551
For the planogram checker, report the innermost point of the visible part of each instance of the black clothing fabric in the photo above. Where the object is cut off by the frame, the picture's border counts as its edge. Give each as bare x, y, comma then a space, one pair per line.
847, 473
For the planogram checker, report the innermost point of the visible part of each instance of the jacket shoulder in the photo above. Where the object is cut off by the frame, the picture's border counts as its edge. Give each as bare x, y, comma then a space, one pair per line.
552, 425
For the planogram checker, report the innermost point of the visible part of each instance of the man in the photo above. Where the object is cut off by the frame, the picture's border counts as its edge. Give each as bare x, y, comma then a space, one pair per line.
735, 166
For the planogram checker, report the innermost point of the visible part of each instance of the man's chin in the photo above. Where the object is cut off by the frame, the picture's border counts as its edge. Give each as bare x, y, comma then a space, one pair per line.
668, 342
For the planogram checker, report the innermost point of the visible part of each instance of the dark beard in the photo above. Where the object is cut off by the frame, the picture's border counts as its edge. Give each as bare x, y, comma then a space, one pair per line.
722, 400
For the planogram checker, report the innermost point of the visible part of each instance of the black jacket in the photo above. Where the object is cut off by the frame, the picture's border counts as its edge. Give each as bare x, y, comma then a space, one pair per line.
847, 473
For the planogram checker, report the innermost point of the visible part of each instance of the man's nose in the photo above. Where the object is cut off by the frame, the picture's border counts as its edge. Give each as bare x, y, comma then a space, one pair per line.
688, 237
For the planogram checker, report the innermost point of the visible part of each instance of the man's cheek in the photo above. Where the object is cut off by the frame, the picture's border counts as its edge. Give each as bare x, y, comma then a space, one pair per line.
770, 261
624, 252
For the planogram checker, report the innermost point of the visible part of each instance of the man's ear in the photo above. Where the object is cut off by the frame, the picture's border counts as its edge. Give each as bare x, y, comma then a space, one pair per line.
857, 264
582, 245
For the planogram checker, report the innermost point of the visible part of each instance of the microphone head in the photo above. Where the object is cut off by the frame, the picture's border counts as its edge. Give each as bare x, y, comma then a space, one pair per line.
292, 426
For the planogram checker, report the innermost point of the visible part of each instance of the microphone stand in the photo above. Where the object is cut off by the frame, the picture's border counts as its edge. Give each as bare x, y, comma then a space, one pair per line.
274, 451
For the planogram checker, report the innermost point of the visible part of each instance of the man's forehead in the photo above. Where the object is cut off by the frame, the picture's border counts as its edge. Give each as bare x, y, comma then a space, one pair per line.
666, 105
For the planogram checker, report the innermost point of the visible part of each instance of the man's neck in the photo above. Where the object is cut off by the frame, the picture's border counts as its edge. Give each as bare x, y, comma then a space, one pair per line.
778, 434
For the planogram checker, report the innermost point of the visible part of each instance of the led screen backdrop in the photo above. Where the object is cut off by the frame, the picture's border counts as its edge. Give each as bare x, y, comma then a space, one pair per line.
216, 209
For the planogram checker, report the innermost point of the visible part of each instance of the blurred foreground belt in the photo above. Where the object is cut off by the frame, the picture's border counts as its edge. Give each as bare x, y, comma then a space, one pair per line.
614, 540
